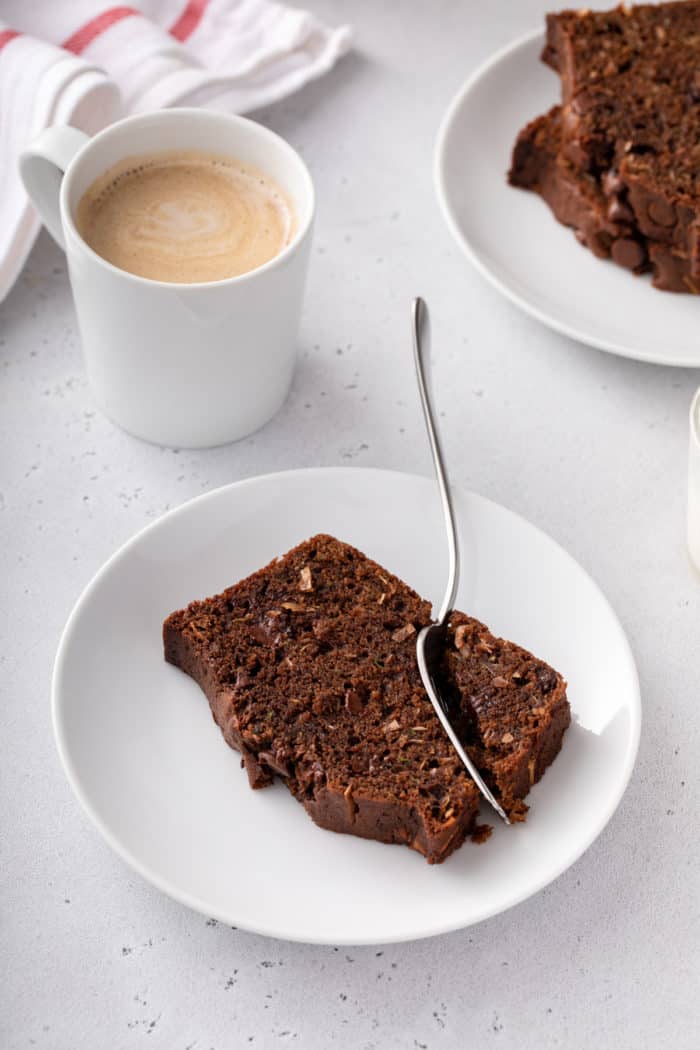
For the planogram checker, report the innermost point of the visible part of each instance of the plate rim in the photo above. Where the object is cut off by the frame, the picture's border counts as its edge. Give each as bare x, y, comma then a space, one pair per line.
426, 930
447, 122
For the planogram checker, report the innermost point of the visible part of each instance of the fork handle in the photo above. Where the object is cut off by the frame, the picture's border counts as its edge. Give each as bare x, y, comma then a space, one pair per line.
421, 348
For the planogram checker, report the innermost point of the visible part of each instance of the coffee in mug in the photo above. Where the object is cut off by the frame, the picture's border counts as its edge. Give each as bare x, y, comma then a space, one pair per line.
185, 216
187, 235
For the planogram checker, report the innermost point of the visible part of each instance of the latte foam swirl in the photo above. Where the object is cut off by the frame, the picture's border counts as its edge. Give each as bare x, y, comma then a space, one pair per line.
185, 217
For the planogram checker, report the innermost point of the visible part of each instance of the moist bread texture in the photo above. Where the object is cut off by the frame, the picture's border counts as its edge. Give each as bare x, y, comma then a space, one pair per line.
509, 707
309, 666
629, 127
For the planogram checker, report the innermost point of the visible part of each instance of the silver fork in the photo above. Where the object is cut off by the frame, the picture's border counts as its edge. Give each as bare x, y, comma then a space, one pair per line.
430, 644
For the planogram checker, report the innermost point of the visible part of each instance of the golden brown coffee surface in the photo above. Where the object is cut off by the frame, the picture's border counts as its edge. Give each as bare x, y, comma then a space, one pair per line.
185, 216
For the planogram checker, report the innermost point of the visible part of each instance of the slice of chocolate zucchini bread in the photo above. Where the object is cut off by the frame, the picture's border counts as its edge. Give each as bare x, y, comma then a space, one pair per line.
574, 197
628, 126
630, 81
510, 708
605, 223
583, 44
310, 669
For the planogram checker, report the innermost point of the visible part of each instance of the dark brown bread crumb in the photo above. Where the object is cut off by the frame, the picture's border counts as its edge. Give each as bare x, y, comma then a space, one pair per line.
630, 122
310, 670
481, 833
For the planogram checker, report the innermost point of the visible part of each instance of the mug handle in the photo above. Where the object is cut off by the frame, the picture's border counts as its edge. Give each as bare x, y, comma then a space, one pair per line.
41, 169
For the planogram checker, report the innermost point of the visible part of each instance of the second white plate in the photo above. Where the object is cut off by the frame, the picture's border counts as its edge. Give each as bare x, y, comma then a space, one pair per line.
513, 239
152, 771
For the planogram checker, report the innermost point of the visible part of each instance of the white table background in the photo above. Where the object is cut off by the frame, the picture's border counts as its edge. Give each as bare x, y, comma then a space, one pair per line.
589, 447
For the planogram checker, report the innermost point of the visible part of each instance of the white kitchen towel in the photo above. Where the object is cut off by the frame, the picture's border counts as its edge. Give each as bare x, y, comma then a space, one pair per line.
79, 63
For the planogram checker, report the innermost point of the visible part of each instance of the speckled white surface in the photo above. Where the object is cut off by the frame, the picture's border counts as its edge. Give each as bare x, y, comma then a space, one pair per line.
591, 448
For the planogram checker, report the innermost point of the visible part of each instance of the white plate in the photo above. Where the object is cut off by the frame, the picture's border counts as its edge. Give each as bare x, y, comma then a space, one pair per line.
513, 239
152, 771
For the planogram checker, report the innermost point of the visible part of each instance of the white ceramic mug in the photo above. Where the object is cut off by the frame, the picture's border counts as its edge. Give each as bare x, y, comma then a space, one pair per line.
178, 364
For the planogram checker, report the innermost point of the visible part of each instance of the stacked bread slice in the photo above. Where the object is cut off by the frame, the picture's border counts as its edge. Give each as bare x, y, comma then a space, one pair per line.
619, 159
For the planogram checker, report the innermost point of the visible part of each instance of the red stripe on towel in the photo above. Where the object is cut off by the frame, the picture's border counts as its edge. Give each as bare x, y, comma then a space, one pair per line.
6, 36
87, 33
188, 20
